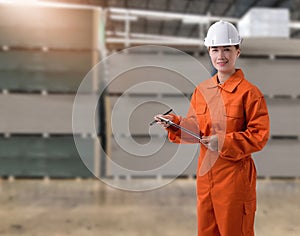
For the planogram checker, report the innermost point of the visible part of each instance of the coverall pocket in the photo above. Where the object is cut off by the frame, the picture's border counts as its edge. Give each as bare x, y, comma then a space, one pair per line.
248, 218
235, 111
247, 173
235, 118
201, 109
201, 116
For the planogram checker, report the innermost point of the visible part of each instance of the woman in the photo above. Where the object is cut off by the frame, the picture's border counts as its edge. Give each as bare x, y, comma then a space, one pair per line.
231, 116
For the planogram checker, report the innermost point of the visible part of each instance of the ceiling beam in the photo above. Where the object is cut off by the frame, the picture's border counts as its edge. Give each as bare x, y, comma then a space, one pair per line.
145, 25
162, 23
229, 6
248, 6
187, 5
179, 24
210, 2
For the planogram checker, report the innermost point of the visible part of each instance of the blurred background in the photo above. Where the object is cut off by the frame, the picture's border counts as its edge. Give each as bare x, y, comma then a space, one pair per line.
46, 50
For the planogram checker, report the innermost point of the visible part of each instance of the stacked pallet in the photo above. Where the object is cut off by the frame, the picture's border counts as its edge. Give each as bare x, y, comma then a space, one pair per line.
46, 53
143, 82
273, 68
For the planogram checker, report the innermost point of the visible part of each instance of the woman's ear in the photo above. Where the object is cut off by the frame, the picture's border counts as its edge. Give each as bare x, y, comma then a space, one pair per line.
238, 52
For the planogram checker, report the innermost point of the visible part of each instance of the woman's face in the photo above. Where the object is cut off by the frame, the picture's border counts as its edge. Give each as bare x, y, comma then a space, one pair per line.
224, 57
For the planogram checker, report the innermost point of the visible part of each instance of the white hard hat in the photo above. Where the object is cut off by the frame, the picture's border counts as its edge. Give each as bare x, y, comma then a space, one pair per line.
222, 33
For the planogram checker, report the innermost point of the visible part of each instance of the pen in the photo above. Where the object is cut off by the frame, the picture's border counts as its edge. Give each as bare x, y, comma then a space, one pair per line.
166, 113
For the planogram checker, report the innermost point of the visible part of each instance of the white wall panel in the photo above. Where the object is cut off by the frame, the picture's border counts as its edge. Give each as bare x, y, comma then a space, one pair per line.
41, 114
273, 77
132, 115
284, 116
168, 159
146, 72
280, 158
137, 112
271, 46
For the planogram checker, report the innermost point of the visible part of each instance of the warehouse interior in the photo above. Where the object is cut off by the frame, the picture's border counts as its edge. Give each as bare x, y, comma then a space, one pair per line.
81, 80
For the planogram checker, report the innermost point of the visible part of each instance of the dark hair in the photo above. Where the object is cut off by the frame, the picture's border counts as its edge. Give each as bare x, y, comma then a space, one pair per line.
237, 46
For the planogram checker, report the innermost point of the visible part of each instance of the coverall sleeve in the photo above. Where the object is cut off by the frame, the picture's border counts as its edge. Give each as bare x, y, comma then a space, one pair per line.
238, 145
189, 122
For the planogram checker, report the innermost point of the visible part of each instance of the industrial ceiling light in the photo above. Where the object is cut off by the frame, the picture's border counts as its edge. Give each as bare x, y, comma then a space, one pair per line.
195, 20
160, 15
153, 15
117, 17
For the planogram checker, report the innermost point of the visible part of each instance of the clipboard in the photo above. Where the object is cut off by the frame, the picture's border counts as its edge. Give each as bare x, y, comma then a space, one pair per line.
182, 128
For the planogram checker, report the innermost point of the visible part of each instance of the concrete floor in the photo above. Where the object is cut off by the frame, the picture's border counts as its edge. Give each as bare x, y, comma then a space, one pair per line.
88, 207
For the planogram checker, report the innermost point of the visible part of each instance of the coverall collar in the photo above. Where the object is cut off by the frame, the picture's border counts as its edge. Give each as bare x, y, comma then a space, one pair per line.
231, 83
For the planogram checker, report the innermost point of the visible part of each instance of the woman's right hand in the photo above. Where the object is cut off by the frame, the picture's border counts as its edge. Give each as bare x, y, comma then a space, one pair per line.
163, 123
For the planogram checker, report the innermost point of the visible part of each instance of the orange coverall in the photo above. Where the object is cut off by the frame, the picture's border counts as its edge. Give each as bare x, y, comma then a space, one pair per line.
226, 192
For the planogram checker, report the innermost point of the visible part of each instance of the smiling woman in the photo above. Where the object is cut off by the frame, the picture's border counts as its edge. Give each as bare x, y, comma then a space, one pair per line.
235, 125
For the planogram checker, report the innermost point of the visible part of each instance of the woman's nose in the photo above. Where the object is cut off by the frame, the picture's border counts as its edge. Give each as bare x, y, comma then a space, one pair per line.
221, 54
